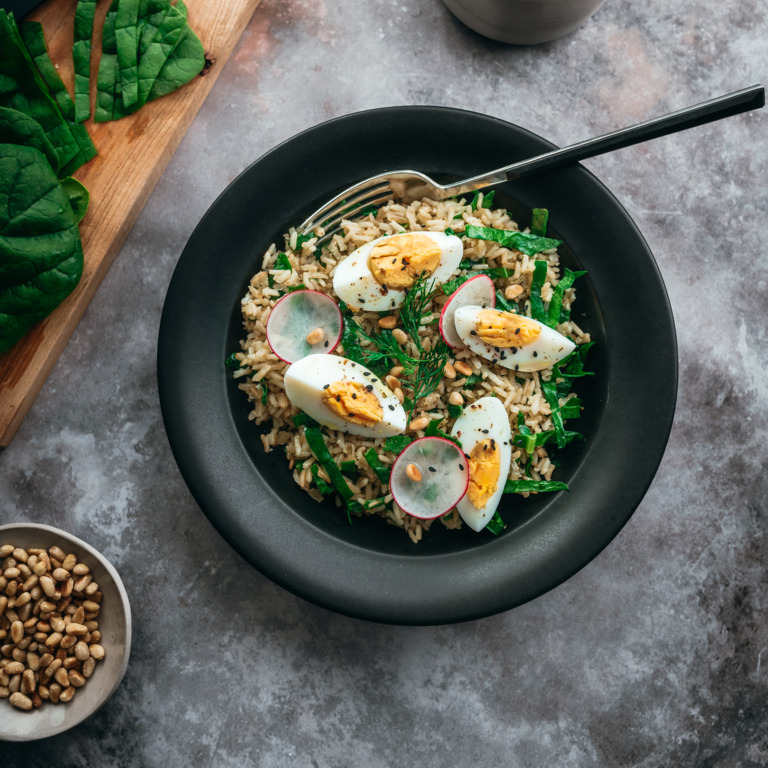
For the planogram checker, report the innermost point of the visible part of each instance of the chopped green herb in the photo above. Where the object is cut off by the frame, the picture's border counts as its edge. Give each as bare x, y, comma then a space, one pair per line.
524, 242
264, 394
450, 286
317, 445
472, 379
282, 261
304, 420
349, 467
433, 430
502, 303
232, 361
301, 239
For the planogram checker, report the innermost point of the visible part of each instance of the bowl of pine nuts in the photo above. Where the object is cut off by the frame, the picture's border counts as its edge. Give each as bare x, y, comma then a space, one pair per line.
65, 631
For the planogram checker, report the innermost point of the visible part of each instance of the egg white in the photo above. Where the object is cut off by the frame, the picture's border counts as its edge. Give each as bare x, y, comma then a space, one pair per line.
304, 382
356, 286
485, 418
548, 348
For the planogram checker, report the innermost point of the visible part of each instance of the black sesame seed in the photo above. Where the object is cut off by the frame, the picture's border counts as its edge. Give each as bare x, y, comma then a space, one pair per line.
514, 350
517, 330
484, 431
326, 343
517, 367
370, 387
366, 373
362, 301
338, 398
535, 354
461, 467
391, 407
432, 469
325, 386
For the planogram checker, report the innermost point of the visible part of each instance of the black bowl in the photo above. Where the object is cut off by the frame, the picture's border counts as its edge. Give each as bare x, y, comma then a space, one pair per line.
369, 569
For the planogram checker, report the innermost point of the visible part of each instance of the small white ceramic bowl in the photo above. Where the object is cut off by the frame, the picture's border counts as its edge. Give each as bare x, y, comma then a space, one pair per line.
114, 624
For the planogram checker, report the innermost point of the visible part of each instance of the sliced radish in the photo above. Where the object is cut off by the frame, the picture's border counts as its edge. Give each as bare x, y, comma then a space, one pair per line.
429, 477
478, 290
304, 323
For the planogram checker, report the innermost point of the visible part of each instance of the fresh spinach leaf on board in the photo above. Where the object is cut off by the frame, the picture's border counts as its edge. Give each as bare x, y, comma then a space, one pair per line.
41, 255
19, 128
169, 55
81, 57
127, 50
32, 35
22, 88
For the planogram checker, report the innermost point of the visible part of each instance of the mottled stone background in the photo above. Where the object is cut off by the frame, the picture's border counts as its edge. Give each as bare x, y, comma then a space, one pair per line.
656, 654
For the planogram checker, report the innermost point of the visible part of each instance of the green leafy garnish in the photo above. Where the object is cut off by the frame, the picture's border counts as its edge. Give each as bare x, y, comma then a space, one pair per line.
472, 379
303, 420
322, 486
554, 311
317, 445
454, 411
396, 443
502, 303
433, 430
539, 221
374, 462
232, 361
537, 283
282, 261
527, 243
495, 525
534, 486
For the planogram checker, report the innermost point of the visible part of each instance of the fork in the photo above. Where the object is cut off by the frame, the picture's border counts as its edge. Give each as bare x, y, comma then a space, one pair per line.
411, 185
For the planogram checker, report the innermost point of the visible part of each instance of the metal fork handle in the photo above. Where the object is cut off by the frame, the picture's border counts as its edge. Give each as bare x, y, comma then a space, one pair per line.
715, 109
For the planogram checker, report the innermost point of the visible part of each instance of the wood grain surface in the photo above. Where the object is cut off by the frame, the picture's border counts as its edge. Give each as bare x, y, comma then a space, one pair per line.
133, 152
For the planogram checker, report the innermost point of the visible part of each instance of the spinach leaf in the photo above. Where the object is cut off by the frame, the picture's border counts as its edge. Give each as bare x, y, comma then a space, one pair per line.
322, 486
81, 57
537, 283
41, 255
533, 486
18, 128
521, 241
317, 445
556, 302
78, 196
184, 64
32, 35
397, 443
539, 221
374, 462
22, 88
127, 49
495, 525
433, 430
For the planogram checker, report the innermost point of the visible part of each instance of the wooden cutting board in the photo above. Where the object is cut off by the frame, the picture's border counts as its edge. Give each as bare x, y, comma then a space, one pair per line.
133, 153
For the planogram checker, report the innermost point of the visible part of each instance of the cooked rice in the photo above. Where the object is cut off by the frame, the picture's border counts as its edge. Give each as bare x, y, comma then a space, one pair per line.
520, 392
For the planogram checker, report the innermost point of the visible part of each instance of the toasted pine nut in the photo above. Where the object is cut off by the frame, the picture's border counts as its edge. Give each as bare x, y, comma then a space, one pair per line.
399, 394
88, 666
413, 472
400, 335
76, 679
81, 569
513, 291
69, 562
67, 694
57, 552
21, 701
48, 585
17, 631
54, 691
13, 668
419, 423
62, 678
97, 651
28, 682
455, 398
53, 640
449, 371
5, 550
90, 606
81, 651
316, 336
76, 629
397, 370
462, 368
389, 322
60, 574
392, 382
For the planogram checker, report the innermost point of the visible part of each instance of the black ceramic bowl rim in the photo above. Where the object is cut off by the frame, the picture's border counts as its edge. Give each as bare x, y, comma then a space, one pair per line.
357, 569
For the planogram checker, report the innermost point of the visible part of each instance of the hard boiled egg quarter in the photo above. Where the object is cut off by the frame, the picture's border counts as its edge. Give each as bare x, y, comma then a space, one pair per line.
344, 395
377, 275
485, 436
513, 341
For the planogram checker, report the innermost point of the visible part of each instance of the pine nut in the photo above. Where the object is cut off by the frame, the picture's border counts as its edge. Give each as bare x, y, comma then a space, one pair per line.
13, 668
513, 291
400, 335
69, 562
55, 692
81, 651
455, 398
449, 371
316, 336
17, 631
396, 371
76, 629
20, 701
81, 569
28, 682
399, 394
67, 694
62, 678
462, 368
413, 472
60, 574
389, 322
419, 423
76, 679
48, 585
88, 666
97, 651
392, 382
5, 550
57, 552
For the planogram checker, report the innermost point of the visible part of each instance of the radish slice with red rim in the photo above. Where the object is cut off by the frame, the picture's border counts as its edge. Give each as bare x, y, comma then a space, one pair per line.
302, 323
478, 290
429, 477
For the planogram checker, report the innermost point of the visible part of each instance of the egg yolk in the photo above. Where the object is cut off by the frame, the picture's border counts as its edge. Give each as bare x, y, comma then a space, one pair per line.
397, 261
484, 468
505, 329
353, 401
